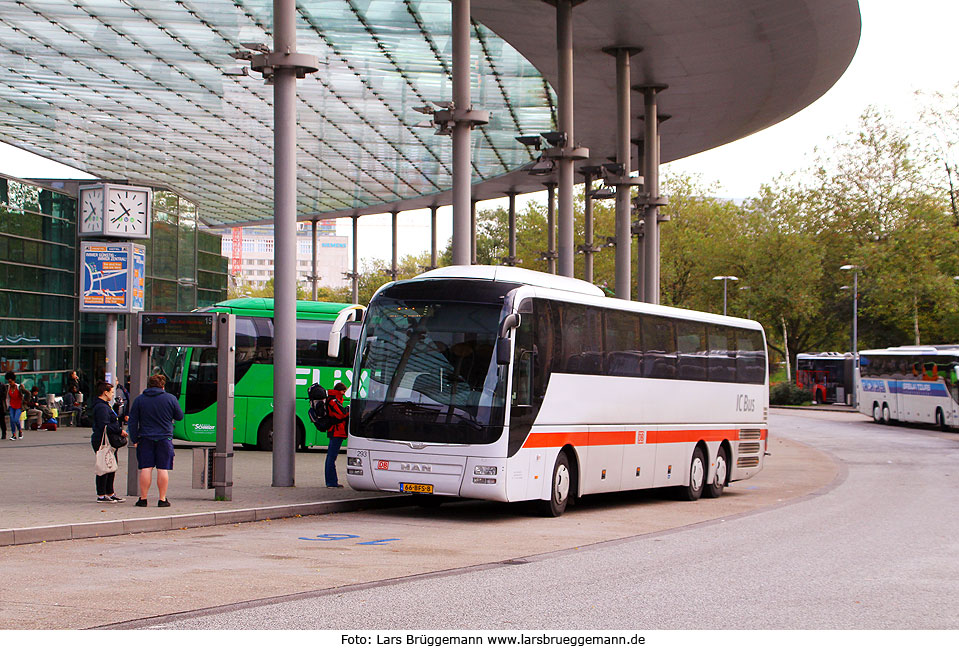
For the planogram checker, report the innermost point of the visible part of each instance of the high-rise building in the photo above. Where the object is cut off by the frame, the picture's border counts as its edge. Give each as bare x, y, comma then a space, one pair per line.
251, 254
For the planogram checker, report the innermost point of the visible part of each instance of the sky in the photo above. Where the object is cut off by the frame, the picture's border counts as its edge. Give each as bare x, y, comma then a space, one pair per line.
904, 47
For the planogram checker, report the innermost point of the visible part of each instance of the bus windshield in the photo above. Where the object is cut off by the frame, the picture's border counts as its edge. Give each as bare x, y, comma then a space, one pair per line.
169, 362
432, 373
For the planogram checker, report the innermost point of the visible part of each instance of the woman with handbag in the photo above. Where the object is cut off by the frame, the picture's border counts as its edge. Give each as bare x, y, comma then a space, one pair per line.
107, 437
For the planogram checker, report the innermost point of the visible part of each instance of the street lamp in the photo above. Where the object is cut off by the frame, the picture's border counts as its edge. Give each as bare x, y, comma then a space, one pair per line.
725, 279
855, 320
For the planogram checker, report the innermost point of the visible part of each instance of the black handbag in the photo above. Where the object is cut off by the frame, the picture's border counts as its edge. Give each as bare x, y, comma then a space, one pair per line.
117, 439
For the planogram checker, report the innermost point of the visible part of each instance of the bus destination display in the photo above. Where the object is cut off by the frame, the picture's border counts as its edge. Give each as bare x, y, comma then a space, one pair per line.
177, 330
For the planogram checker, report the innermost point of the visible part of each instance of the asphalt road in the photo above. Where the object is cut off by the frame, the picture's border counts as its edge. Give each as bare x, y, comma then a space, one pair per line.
878, 548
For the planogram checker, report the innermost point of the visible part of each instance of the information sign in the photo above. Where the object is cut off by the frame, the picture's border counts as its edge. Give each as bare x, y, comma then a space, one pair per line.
112, 277
177, 330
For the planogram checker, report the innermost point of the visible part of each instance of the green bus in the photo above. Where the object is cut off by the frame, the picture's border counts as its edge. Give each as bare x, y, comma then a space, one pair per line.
326, 335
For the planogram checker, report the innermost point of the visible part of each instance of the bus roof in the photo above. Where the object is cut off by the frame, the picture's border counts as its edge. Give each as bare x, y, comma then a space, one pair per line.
514, 275
575, 290
912, 350
263, 306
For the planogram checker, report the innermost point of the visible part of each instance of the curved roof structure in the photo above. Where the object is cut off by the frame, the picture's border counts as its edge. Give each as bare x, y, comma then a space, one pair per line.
149, 92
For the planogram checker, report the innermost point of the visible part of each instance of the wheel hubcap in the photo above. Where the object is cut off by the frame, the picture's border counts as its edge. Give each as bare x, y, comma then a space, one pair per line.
697, 473
875, 413
720, 472
561, 484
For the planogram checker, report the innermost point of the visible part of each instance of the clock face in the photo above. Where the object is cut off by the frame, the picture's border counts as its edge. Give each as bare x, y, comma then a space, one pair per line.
91, 210
127, 211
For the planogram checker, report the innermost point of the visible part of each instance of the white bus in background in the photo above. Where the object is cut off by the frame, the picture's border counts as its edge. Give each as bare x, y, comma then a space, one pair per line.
910, 384
511, 385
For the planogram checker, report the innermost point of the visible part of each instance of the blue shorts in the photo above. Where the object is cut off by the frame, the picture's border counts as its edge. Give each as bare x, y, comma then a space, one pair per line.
154, 453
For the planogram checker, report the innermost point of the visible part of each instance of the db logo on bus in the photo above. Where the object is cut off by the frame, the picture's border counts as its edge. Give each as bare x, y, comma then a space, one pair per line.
382, 464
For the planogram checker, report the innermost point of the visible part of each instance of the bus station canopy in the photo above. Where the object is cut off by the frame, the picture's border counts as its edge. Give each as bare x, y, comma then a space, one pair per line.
150, 92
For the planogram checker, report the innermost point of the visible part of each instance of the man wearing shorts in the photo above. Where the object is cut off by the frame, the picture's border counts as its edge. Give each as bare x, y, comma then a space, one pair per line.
151, 432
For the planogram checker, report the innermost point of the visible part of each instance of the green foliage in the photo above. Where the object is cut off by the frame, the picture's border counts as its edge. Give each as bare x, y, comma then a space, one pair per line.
880, 197
788, 394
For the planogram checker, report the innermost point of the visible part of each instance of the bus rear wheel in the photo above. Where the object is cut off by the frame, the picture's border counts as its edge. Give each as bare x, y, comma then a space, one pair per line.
715, 489
886, 415
876, 413
941, 420
560, 487
264, 435
697, 477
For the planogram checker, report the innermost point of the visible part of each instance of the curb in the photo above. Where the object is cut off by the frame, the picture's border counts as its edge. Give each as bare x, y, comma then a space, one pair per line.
836, 408
59, 532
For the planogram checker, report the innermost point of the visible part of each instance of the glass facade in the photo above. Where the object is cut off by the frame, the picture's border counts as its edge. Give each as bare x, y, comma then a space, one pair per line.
38, 295
42, 334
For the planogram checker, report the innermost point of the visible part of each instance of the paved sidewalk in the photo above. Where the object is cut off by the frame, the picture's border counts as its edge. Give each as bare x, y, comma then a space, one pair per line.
47, 491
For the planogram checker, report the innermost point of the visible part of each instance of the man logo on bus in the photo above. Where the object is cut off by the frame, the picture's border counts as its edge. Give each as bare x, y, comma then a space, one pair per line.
382, 464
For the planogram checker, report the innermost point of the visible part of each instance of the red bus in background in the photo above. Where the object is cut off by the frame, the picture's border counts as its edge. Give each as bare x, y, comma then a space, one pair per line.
829, 375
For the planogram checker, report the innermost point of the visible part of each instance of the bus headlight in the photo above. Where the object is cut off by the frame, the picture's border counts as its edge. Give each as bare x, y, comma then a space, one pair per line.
353, 462
484, 470
484, 480
354, 472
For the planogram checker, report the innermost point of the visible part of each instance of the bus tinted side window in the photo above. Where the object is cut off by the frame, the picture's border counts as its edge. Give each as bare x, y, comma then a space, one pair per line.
312, 342
750, 357
722, 354
691, 344
624, 348
582, 339
659, 348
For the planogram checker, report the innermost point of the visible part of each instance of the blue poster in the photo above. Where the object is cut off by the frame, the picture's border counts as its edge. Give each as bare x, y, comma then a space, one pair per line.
112, 277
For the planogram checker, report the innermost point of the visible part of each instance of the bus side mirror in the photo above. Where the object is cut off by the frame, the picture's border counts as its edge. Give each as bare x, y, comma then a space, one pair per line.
354, 312
511, 321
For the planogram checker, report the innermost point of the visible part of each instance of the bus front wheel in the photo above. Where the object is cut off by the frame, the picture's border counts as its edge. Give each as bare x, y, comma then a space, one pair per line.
886, 415
876, 413
560, 487
697, 477
941, 420
715, 489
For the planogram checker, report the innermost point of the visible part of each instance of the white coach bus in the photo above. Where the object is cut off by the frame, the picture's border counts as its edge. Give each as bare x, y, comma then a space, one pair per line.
910, 384
511, 385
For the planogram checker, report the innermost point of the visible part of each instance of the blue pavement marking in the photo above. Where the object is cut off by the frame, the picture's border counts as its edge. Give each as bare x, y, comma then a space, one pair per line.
333, 537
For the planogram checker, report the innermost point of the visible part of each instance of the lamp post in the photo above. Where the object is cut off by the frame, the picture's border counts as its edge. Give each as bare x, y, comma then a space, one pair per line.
855, 323
725, 279
855, 306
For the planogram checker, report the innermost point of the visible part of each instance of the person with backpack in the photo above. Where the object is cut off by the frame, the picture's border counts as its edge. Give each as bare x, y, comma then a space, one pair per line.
339, 415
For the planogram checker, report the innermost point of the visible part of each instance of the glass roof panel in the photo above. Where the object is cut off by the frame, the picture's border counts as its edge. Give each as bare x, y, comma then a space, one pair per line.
148, 91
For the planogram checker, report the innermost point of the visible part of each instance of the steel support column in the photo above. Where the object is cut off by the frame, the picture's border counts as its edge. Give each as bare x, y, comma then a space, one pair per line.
624, 237
314, 278
511, 219
472, 232
639, 226
394, 268
433, 210
462, 158
284, 234
110, 359
551, 226
355, 277
651, 188
564, 95
588, 248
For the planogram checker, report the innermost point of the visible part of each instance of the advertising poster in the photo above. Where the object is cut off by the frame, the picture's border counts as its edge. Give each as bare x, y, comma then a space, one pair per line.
112, 277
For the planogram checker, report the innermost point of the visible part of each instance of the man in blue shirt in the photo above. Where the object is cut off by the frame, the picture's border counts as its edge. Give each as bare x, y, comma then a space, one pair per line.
151, 432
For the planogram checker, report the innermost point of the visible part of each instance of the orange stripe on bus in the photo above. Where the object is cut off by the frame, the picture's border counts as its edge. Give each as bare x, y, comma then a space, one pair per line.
601, 438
